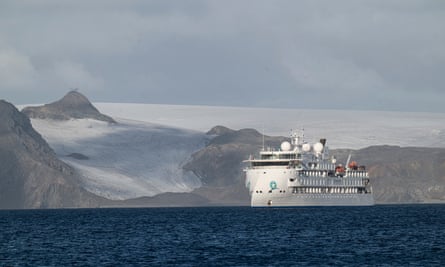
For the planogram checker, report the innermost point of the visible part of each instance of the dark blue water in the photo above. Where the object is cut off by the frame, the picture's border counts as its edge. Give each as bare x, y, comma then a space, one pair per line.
381, 235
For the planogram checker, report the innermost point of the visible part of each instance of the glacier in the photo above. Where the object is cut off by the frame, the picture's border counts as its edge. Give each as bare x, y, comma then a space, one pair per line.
353, 129
125, 160
143, 154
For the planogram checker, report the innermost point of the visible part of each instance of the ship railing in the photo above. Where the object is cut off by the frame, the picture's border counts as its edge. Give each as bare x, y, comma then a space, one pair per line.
329, 190
354, 173
328, 181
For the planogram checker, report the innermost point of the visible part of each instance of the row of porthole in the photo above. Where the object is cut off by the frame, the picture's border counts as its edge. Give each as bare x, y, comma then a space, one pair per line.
283, 172
270, 191
322, 196
327, 182
281, 191
327, 190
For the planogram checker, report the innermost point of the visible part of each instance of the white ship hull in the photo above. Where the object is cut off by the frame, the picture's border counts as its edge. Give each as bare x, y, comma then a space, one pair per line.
295, 200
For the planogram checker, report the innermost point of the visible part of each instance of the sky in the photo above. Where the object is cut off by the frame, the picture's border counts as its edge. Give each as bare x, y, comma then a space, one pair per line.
367, 55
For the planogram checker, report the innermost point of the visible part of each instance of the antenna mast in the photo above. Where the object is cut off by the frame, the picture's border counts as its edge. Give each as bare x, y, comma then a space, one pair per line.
263, 136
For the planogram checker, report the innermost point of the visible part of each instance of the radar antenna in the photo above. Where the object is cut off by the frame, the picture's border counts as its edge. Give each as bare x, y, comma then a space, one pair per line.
263, 136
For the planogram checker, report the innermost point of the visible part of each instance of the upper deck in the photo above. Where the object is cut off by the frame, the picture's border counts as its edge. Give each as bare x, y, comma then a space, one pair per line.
305, 158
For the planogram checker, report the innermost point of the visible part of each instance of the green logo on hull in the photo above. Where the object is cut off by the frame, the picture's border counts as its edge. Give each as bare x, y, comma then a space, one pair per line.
273, 185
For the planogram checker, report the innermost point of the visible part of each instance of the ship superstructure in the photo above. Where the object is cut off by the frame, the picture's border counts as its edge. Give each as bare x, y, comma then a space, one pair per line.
301, 174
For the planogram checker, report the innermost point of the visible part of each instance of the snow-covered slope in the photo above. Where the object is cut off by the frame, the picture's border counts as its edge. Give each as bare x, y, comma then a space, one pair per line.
125, 160
142, 156
342, 128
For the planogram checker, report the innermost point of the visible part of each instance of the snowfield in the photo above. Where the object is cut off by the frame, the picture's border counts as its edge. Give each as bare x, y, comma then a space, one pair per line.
144, 153
125, 160
342, 128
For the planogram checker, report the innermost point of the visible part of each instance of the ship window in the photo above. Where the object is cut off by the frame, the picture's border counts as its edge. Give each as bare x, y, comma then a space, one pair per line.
287, 156
270, 163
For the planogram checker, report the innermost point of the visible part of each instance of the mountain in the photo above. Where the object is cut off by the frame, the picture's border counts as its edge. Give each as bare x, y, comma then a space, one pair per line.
405, 174
31, 176
117, 161
219, 165
138, 163
398, 174
220, 162
73, 105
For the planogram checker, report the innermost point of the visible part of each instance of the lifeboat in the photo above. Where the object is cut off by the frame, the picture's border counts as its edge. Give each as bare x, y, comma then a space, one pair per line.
353, 165
339, 171
362, 168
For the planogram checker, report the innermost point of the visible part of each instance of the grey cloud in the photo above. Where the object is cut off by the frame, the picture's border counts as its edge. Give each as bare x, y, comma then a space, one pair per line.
309, 54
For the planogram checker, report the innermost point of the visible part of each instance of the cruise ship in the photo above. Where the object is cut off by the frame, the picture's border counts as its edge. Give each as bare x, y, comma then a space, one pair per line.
303, 174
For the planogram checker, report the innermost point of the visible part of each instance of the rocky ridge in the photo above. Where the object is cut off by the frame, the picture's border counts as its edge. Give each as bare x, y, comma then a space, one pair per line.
31, 176
73, 105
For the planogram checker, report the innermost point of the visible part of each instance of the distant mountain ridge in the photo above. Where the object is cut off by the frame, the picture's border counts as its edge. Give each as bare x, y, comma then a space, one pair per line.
398, 174
31, 176
73, 105
404, 174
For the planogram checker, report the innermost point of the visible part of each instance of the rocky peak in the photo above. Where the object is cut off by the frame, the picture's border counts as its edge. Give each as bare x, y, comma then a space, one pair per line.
73, 105
243, 136
219, 130
12, 120
74, 100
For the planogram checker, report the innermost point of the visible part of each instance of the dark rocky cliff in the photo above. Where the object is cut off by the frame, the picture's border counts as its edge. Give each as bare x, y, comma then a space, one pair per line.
73, 105
31, 176
404, 174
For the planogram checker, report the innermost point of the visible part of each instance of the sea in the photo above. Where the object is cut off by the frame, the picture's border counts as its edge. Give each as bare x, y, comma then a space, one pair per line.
382, 235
